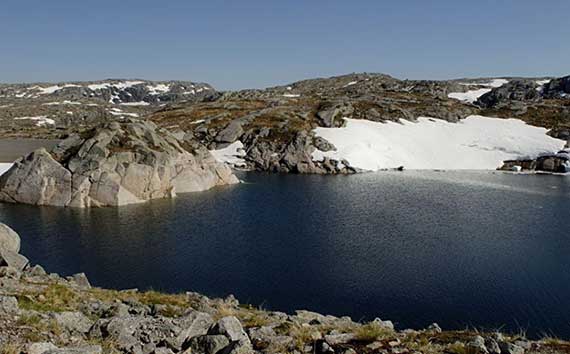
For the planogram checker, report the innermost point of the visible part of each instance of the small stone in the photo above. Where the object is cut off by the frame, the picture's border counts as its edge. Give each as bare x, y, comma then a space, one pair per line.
509, 348
73, 321
384, 324
36, 271
81, 280
492, 346
434, 327
231, 328
477, 346
334, 339
208, 344
8, 305
10, 273
394, 343
39, 348
90, 349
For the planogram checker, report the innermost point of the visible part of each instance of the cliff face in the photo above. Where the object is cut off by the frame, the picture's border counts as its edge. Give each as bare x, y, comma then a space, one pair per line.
114, 164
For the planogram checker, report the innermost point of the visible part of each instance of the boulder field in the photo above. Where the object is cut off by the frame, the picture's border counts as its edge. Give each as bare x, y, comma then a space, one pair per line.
114, 164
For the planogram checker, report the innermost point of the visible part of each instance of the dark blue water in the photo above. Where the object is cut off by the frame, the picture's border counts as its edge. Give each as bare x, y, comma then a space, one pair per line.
463, 249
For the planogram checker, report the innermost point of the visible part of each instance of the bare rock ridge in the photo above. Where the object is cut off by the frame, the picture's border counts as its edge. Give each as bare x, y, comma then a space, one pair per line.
114, 164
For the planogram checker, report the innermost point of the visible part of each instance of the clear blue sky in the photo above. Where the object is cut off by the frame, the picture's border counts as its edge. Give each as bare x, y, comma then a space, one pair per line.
258, 43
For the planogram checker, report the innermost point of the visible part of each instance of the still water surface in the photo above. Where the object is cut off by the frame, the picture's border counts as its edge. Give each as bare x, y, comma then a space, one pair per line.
460, 248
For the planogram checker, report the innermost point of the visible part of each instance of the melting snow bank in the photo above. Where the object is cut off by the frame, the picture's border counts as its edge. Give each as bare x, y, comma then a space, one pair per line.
4, 167
475, 143
473, 95
232, 154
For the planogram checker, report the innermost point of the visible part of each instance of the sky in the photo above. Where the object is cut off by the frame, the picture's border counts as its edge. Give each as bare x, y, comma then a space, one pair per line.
261, 43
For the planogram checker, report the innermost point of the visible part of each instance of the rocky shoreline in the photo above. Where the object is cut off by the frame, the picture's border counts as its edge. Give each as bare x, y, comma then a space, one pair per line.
115, 164
43, 313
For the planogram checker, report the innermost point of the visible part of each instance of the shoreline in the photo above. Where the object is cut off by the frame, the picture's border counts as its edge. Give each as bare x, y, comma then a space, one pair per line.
40, 312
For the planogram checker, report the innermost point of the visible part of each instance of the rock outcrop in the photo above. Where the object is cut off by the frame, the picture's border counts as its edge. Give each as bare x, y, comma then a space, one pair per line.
114, 164
557, 88
555, 163
516, 90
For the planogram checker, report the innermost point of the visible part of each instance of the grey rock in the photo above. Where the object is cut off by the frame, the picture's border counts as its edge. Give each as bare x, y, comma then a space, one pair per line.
9, 239
340, 338
118, 164
36, 179
434, 327
13, 260
163, 350
74, 322
515, 90
231, 328
36, 271
557, 88
231, 133
193, 325
208, 344
509, 348
8, 305
492, 346
331, 114
10, 273
384, 324
39, 348
90, 349
81, 280
477, 346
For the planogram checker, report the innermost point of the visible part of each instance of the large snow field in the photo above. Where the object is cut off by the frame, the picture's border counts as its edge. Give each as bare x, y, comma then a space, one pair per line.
476, 143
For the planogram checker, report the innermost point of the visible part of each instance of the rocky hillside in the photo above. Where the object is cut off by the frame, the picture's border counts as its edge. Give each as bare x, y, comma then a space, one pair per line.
52, 110
274, 129
114, 164
45, 313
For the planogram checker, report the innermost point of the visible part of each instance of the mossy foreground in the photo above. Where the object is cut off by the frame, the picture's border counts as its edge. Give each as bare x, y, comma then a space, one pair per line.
45, 313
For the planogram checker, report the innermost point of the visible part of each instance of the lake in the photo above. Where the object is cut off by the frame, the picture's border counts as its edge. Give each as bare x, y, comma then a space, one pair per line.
481, 249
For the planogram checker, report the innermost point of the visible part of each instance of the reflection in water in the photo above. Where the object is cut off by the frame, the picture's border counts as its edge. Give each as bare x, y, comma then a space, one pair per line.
459, 248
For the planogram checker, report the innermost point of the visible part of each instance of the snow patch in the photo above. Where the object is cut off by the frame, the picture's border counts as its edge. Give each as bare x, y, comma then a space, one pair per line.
472, 95
469, 96
232, 154
51, 89
61, 103
4, 167
118, 85
158, 89
141, 103
477, 142
40, 120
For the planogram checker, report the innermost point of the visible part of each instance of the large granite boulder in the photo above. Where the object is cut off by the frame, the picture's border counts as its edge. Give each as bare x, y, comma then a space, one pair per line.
114, 164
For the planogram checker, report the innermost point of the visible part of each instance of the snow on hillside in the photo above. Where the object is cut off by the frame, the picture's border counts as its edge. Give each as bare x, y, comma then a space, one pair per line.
40, 120
472, 95
4, 167
232, 154
478, 143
